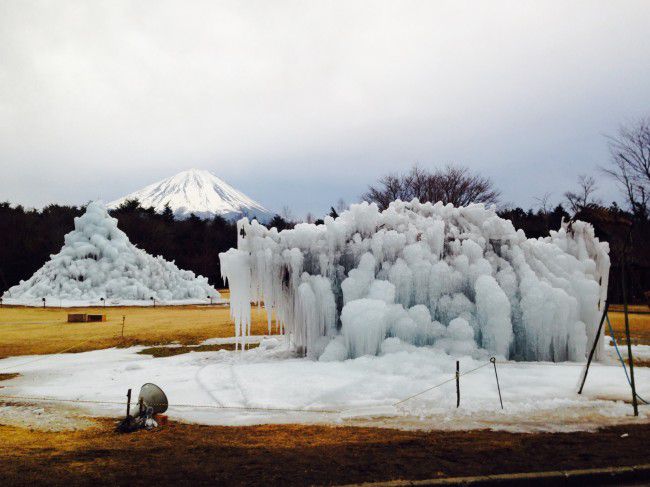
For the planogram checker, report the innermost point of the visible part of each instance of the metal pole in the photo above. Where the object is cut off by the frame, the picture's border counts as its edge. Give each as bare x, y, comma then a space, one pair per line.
128, 404
494, 362
629, 342
593, 347
457, 383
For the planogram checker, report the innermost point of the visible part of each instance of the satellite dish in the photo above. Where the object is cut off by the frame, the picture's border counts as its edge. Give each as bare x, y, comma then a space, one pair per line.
153, 397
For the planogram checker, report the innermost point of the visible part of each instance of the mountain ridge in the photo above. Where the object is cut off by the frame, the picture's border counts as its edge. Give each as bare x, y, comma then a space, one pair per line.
198, 192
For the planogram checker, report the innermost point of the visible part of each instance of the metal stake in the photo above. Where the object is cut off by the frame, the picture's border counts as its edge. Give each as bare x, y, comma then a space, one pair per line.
128, 404
593, 347
457, 383
635, 404
494, 362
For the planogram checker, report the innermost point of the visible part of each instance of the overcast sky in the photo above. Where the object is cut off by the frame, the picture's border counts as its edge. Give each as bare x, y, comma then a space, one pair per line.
302, 103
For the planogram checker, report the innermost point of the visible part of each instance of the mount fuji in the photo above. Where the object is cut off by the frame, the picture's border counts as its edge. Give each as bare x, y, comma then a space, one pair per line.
199, 192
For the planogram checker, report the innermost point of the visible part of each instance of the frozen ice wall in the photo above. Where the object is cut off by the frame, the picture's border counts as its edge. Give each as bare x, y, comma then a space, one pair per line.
98, 260
459, 279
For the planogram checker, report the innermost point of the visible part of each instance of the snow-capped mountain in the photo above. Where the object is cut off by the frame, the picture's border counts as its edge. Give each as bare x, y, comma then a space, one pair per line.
200, 192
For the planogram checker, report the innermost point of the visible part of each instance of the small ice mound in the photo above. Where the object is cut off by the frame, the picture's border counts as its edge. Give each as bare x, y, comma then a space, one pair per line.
269, 343
395, 345
335, 351
383, 291
459, 340
98, 261
363, 326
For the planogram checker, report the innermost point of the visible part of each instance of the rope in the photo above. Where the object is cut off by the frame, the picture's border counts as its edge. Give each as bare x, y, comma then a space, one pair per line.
620, 357
238, 408
441, 383
194, 406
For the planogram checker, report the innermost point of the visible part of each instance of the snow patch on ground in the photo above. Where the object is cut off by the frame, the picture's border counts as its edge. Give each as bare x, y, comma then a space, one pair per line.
226, 387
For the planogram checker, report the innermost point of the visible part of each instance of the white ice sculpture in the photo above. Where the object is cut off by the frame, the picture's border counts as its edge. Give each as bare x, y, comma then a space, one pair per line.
98, 261
459, 279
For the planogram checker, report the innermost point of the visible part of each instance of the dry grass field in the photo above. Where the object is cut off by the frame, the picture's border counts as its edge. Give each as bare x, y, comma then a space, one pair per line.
639, 317
27, 331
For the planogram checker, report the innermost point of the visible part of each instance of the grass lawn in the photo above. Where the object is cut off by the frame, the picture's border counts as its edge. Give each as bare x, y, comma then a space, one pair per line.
26, 331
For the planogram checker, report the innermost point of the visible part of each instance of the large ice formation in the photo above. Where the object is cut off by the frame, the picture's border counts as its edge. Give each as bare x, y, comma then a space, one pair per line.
98, 261
459, 279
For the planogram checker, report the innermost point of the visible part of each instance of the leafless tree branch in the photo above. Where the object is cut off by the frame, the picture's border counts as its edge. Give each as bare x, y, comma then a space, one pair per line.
453, 184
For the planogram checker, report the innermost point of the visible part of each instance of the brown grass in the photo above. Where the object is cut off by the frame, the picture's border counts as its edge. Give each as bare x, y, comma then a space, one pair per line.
182, 454
171, 351
639, 326
40, 331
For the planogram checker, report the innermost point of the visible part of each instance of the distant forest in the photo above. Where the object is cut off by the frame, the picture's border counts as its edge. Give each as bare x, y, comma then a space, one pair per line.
29, 237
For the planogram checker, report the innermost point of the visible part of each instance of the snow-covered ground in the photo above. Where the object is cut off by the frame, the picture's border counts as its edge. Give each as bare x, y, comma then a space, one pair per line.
220, 387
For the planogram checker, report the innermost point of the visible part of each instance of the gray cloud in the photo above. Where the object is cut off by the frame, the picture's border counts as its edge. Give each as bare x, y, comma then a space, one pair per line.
301, 103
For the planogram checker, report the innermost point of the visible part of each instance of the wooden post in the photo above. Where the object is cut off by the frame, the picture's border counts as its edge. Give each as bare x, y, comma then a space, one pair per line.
593, 347
123, 320
457, 383
635, 404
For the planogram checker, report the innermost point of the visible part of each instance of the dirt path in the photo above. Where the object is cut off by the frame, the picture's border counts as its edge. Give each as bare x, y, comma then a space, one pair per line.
183, 454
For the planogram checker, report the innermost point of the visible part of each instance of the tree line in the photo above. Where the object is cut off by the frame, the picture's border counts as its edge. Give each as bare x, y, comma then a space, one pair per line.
30, 236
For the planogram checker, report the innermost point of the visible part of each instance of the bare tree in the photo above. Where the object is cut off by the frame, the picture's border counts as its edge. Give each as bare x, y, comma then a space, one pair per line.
584, 196
453, 184
544, 202
310, 218
287, 214
630, 164
545, 208
341, 206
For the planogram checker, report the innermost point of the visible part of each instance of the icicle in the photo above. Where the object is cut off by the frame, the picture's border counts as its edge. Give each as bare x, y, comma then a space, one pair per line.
459, 279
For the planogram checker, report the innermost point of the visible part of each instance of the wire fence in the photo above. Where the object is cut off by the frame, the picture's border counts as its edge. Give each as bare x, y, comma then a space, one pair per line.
241, 408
